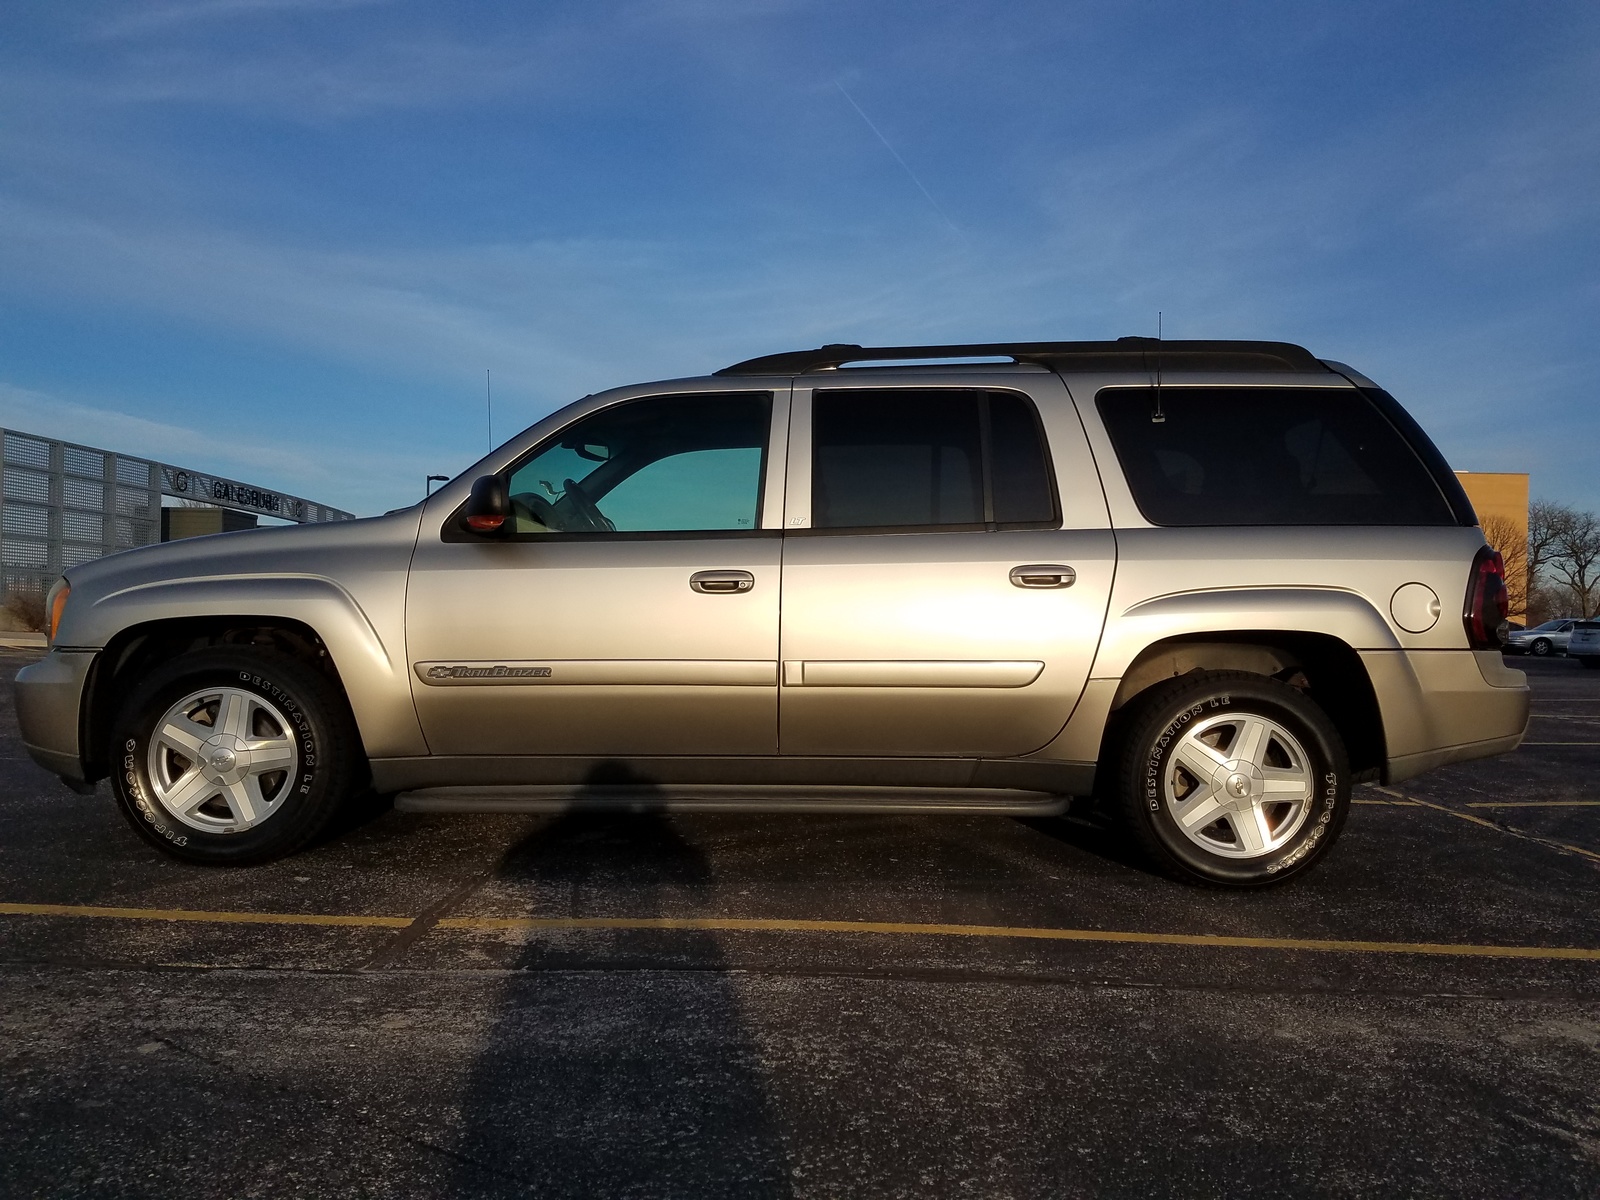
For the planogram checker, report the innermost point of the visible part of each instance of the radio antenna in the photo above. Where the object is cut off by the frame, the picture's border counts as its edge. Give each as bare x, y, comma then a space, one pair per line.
488, 399
1158, 417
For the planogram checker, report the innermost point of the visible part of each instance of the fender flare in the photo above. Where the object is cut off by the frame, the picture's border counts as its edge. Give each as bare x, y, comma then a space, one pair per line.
1332, 612
379, 694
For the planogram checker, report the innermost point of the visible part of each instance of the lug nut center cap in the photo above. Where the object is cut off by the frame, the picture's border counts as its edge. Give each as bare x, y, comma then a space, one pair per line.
224, 759
1238, 785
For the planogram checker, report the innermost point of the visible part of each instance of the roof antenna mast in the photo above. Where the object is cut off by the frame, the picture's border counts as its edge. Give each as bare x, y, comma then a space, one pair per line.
488, 399
1158, 417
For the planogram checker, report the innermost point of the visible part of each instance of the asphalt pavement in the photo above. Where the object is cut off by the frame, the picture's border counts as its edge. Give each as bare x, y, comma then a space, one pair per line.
753, 1006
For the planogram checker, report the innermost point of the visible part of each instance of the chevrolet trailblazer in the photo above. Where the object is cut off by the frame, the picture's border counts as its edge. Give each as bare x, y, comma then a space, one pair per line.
1214, 583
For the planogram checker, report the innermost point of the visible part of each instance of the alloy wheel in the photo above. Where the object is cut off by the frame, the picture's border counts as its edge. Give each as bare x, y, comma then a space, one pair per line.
223, 760
1239, 785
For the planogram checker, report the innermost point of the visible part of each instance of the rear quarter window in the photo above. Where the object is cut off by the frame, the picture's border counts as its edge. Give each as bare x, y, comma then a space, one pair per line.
1267, 456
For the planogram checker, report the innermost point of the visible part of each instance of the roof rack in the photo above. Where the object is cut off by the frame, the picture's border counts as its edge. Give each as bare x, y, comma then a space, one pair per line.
1124, 354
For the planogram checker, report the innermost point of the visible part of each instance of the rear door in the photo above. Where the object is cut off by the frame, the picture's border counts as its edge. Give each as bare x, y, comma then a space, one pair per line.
947, 562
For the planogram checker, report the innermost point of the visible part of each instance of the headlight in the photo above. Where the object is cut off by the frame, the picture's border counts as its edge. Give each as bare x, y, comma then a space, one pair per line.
55, 605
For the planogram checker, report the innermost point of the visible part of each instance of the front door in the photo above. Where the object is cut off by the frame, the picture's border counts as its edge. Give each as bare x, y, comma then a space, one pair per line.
632, 610
935, 602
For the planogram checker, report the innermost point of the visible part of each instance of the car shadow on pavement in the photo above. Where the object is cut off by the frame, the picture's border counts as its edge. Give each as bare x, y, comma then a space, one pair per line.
1089, 827
618, 1062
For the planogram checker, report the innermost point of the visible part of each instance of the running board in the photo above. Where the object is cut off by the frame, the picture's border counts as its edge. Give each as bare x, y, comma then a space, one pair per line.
774, 798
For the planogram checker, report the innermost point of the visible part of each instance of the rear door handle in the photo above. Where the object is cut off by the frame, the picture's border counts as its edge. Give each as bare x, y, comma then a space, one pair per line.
1043, 575
722, 583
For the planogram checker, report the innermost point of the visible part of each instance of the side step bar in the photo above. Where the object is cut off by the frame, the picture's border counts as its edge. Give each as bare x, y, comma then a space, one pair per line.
774, 798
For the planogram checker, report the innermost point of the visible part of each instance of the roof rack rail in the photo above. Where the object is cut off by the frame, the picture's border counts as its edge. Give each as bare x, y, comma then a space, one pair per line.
1124, 354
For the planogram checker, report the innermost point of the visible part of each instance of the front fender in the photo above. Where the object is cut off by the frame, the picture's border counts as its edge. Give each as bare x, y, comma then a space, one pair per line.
378, 690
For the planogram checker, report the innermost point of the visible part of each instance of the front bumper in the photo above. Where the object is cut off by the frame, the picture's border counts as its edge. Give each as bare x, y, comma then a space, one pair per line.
49, 709
1445, 706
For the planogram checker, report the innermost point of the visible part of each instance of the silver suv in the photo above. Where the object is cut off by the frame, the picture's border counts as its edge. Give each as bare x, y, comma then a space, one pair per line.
1212, 584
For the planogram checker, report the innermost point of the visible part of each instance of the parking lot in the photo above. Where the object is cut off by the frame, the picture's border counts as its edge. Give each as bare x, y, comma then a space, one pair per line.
732, 1005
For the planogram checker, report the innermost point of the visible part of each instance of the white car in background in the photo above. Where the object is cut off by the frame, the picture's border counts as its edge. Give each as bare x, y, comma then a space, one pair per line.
1585, 643
1541, 640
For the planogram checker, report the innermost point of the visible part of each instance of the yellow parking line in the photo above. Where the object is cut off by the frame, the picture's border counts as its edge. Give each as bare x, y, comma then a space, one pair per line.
200, 915
1220, 941
761, 925
1390, 803
1534, 804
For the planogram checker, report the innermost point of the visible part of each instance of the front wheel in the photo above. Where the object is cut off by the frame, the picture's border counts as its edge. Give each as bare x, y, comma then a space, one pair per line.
1541, 647
1591, 663
232, 756
1231, 778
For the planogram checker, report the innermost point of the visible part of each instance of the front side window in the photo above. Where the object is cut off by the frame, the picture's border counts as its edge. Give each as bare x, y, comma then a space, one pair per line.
946, 458
663, 465
1267, 456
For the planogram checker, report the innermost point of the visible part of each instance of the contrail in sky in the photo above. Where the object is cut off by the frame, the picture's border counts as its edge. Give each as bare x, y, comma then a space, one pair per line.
953, 226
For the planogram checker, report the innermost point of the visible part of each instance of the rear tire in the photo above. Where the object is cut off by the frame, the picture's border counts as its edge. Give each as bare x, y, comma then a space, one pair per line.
1591, 662
233, 756
1231, 779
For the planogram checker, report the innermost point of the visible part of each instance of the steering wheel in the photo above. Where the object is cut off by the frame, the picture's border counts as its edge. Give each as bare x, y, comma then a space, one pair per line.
585, 508
535, 510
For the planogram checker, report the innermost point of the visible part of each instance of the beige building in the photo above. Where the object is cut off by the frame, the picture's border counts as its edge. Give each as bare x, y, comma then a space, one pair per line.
1501, 501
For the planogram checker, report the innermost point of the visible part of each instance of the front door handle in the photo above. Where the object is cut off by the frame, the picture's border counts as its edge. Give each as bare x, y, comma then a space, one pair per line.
722, 583
1043, 575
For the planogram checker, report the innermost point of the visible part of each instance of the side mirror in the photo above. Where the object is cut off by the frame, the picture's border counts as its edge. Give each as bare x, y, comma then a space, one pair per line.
489, 507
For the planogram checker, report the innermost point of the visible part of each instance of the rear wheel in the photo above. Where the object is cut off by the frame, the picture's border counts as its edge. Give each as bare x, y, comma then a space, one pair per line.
231, 756
1231, 778
1591, 662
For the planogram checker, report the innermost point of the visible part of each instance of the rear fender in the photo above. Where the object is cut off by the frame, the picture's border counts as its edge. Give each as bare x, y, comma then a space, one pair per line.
1331, 612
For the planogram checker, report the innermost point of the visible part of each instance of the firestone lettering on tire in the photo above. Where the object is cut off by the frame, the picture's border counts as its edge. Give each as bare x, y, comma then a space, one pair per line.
131, 779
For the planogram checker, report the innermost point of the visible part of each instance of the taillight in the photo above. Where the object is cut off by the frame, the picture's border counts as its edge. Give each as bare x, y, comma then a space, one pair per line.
1488, 604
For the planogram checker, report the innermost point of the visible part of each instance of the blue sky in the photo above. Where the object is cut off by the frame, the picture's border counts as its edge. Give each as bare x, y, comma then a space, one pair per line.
284, 239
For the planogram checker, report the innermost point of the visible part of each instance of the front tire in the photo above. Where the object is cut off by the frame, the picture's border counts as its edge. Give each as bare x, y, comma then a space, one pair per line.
1590, 662
233, 756
1540, 647
1231, 778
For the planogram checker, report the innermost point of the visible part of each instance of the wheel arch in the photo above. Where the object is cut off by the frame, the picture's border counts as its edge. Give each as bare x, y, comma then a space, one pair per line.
134, 650
1323, 667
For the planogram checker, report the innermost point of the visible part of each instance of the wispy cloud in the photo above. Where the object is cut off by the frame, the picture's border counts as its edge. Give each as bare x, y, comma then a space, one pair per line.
162, 18
582, 195
878, 133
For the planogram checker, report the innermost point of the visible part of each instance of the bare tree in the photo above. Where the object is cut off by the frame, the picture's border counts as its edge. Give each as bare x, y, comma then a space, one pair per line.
1546, 521
1507, 537
1575, 561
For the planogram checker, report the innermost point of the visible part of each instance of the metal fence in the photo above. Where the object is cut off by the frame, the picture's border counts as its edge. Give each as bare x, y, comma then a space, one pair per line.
62, 504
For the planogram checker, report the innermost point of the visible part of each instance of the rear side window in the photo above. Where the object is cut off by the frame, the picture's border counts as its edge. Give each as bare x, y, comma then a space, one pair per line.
1267, 456
945, 458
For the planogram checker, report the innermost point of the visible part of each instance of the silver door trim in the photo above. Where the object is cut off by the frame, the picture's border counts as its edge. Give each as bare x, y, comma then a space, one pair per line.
910, 674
